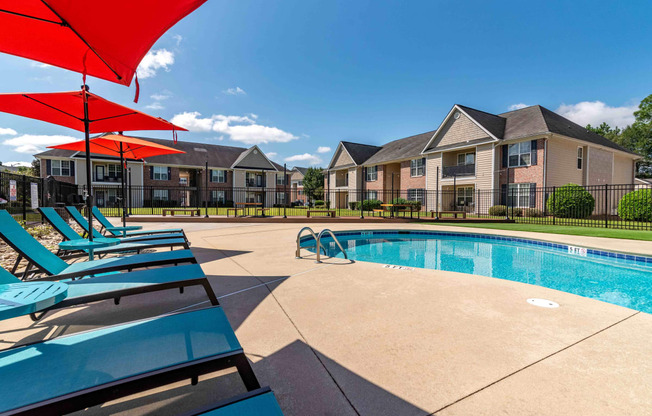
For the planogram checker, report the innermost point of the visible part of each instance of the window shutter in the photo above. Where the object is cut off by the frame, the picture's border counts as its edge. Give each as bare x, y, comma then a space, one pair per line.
72, 168
151, 172
533, 153
48, 167
169, 174
504, 164
503, 194
210, 176
533, 195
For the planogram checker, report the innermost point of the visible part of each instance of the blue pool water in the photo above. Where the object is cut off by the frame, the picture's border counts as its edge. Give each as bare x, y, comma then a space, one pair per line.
617, 278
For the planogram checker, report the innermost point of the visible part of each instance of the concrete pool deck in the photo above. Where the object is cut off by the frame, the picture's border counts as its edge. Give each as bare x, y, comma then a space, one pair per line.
342, 338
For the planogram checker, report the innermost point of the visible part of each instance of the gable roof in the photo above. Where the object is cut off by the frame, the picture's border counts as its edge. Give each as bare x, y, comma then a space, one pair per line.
301, 170
253, 151
534, 120
360, 152
492, 123
404, 148
219, 156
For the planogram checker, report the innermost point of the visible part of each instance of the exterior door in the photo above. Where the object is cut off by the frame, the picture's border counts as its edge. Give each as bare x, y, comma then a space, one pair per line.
99, 198
99, 173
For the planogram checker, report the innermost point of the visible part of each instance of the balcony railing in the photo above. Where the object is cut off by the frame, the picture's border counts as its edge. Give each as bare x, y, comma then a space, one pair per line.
106, 178
341, 182
460, 170
250, 183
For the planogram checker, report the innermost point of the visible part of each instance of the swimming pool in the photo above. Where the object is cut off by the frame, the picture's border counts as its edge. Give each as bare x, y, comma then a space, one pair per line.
617, 278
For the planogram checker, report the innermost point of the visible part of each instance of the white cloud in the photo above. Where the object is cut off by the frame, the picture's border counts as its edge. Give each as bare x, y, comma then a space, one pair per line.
153, 61
597, 112
323, 149
271, 155
306, 157
517, 106
155, 106
16, 164
160, 96
7, 132
38, 65
239, 128
34, 143
177, 39
234, 91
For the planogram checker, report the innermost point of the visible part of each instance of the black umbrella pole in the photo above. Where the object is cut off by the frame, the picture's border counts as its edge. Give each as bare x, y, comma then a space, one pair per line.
89, 197
122, 184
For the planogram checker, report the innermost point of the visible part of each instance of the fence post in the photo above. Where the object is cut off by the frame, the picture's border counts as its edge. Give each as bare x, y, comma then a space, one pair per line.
606, 205
554, 205
24, 198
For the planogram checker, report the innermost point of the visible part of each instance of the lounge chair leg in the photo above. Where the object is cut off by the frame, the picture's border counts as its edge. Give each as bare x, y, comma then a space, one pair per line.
210, 293
36, 317
181, 289
194, 380
116, 301
18, 259
246, 373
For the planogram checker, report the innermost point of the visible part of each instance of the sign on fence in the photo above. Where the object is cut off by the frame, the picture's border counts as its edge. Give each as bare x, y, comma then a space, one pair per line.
13, 192
34, 194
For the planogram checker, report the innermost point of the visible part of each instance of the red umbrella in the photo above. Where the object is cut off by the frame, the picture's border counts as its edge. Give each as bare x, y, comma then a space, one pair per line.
82, 111
123, 146
105, 39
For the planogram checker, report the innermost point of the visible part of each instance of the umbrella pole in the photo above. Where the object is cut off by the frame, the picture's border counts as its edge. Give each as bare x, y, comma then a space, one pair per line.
122, 183
89, 197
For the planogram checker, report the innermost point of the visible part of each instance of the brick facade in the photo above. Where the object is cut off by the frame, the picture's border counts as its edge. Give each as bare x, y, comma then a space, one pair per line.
525, 174
409, 182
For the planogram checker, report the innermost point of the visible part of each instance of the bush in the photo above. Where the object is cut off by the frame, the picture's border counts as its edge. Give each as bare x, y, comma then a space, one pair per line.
571, 201
368, 204
515, 212
353, 206
532, 212
416, 205
319, 203
498, 210
636, 206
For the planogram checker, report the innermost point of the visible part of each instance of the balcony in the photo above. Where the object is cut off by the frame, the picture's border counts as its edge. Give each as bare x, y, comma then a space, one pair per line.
460, 170
249, 183
105, 178
341, 182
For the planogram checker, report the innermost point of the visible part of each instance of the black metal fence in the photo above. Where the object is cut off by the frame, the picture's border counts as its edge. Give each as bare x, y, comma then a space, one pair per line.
614, 206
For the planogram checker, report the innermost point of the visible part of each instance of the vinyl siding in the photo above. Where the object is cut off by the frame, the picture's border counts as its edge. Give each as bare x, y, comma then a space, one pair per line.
483, 166
623, 170
433, 161
600, 166
562, 163
459, 131
342, 158
238, 179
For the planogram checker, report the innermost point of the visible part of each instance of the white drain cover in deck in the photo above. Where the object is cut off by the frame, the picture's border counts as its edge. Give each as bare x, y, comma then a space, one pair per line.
543, 303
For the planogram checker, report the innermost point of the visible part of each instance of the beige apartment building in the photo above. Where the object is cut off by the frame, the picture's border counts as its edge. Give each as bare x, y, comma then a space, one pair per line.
509, 154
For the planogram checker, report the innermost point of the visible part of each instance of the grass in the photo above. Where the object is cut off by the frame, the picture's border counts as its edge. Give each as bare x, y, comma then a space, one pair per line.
562, 229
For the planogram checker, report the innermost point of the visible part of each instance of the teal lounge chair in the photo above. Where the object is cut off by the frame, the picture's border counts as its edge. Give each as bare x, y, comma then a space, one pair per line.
81, 370
83, 223
259, 402
118, 285
57, 269
62, 227
106, 226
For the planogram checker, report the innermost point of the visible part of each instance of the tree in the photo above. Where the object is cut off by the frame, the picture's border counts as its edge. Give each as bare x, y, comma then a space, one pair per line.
313, 184
36, 167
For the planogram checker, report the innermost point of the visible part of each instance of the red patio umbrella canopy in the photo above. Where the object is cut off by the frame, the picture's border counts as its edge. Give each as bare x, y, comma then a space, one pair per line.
132, 147
67, 109
105, 39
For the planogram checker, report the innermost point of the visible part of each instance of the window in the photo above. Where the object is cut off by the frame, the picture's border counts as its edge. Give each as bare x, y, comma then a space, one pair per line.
519, 154
160, 173
465, 196
114, 171
60, 168
519, 195
183, 181
218, 176
218, 196
371, 195
372, 173
580, 157
254, 179
160, 195
465, 159
418, 167
250, 197
280, 198
417, 195
280, 179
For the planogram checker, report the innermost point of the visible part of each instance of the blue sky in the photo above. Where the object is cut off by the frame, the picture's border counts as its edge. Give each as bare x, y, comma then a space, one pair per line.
296, 77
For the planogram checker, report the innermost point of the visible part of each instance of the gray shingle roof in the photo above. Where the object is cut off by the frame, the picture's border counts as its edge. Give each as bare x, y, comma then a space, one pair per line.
218, 156
405, 148
360, 152
491, 122
301, 170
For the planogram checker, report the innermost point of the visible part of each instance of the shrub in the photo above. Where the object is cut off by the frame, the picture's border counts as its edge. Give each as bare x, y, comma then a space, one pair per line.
369, 204
571, 201
515, 212
416, 205
498, 210
636, 206
353, 206
532, 212
319, 203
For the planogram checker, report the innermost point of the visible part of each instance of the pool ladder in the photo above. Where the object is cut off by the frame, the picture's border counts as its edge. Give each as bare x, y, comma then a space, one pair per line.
318, 246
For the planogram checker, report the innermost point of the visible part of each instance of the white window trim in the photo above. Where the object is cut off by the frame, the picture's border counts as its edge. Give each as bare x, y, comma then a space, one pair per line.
374, 174
519, 154
416, 168
465, 155
580, 157
160, 178
520, 188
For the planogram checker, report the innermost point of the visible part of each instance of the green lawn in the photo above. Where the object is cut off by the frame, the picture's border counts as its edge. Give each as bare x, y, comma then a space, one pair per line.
563, 229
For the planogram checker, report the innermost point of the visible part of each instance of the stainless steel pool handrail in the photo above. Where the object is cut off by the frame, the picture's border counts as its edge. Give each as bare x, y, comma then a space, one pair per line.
326, 230
298, 252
